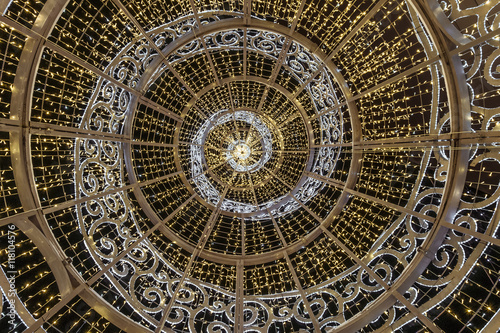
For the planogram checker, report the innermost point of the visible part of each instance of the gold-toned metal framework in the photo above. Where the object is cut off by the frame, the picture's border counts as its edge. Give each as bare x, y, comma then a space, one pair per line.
105, 179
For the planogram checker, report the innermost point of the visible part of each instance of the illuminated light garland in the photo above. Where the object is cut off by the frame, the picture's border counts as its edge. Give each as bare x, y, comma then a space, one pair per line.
405, 158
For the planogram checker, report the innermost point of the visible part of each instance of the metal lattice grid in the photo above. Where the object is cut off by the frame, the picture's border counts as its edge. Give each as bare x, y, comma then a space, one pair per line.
250, 165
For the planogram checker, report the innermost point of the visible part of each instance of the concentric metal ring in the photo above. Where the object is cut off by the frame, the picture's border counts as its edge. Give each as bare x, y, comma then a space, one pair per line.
333, 184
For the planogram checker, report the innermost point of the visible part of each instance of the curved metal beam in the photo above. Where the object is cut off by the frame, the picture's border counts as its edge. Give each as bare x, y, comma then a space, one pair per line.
458, 104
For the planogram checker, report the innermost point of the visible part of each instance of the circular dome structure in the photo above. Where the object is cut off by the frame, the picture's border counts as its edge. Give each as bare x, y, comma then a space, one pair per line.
250, 166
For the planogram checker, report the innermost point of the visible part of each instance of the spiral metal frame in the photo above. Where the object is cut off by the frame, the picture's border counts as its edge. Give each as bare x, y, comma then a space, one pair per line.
400, 233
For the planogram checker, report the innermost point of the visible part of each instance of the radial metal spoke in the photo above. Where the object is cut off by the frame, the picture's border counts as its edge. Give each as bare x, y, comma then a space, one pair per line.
254, 142
424, 319
205, 145
278, 230
375, 9
336, 107
21, 28
151, 42
147, 102
337, 183
487, 138
287, 121
279, 63
290, 187
433, 140
294, 275
243, 237
297, 16
476, 41
344, 41
153, 144
240, 284
209, 169
247, 10
203, 42
74, 132
380, 281
251, 126
74, 202
307, 209
179, 77
278, 178
245, 47
396, 78
83, 286
252, 134
272, 79
239, 319
302, 293
429, 141
231, 101
305, 151
304, 85
201, 244
256, 202
98, 72
203, 114
392, 206
10, 124
484, 237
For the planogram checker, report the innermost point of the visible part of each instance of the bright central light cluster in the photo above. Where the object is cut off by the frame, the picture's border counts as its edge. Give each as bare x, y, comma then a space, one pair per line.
241, 152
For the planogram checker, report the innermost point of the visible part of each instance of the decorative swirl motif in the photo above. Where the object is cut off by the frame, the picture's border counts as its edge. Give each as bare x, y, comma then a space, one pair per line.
310, 188
267, 42
331, 128
301, 62
186, 51
101, 170
261, 313
458, 253
492, 66
107, 222
230, 39
322, 92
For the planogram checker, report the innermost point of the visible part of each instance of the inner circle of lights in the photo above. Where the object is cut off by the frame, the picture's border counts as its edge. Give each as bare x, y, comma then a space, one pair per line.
240, 139
140, 208
230, 128
241, 146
